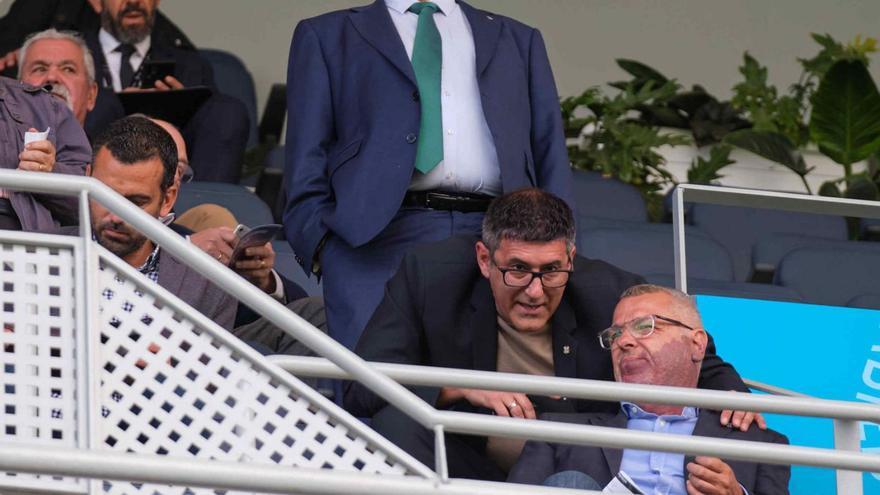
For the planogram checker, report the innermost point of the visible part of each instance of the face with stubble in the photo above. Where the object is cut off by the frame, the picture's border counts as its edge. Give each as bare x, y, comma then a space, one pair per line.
129, 21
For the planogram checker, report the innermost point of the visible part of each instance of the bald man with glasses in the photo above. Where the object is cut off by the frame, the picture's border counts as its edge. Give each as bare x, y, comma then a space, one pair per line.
517, 300
657, 338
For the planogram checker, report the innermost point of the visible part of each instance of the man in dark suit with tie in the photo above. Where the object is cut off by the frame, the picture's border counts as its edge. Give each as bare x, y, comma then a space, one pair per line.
406, 118
656, 339
518, 300
216, 134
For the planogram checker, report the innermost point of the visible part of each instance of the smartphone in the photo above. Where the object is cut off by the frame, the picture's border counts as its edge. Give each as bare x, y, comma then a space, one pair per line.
256, 236
155, 70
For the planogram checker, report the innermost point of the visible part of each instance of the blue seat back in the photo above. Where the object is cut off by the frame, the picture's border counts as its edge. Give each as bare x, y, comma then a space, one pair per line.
739, 229
832, 276
232, 78
602, 197
247, 207
647, 249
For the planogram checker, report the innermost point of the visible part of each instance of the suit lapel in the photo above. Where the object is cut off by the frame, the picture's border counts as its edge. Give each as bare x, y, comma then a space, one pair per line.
708, 425
486, 30
563, 325
170, 273
613, 456
484, 327
375, 25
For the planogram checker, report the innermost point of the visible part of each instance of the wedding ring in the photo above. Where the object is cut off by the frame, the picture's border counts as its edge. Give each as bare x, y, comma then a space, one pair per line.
512, 405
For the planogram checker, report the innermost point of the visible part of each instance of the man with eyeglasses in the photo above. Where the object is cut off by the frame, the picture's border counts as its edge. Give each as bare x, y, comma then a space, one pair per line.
518, 300
657, 339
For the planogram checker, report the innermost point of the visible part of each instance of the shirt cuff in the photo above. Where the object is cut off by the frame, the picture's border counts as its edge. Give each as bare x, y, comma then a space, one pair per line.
279, 287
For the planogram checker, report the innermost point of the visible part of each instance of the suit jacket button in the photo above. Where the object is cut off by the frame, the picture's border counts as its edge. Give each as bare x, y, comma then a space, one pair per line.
415, 96
410, 138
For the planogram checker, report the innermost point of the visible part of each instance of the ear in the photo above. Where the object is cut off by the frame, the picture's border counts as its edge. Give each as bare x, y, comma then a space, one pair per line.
93, 96
169, 199
484, 258
698, 341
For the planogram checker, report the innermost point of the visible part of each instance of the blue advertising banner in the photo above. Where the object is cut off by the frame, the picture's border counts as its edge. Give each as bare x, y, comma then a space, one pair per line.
822, 351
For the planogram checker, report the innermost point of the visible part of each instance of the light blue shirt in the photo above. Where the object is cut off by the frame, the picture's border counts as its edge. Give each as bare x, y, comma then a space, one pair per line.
470, 163
657, 472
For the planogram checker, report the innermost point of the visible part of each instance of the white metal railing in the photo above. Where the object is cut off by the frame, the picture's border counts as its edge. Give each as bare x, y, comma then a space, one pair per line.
403, 399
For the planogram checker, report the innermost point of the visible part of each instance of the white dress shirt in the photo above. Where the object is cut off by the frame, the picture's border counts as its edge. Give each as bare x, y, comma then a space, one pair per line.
470, 163
109, 44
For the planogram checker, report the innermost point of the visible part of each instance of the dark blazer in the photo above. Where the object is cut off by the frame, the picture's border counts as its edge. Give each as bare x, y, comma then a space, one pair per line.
541, 459
189, 68
354, 120
438, 310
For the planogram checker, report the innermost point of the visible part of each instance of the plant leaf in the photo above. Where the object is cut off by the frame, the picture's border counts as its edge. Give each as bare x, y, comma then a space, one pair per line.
860, 187
770, 145
845, 120
830, 189
641, 72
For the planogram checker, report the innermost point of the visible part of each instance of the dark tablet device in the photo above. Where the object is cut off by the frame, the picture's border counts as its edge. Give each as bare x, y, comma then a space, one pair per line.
176, 106
155, 70
256, 236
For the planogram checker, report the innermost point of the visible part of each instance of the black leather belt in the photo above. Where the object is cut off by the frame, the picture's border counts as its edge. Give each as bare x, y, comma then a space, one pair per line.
449, 201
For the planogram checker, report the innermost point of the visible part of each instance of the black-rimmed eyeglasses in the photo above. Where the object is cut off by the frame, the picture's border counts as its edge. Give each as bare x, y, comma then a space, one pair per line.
639, 328
550, 279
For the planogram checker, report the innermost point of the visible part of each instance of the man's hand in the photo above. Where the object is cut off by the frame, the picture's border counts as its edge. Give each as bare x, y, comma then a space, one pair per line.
168, 83
217, 242
742, 419
510, 404
38, 156
256, 266
9, 60
711, 476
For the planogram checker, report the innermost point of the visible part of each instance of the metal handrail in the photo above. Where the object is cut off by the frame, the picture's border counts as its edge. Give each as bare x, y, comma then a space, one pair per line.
592, 389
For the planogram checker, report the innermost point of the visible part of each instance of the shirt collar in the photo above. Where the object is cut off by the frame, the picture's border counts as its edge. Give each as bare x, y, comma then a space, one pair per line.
151, 262
633, 411
446, 6
109, 43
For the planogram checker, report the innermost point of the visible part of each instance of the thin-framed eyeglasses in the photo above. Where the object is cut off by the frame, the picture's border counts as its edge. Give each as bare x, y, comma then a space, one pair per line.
639, 328
550, 279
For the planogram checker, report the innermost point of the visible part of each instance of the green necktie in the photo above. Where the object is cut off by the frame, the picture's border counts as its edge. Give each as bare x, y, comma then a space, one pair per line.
427, 60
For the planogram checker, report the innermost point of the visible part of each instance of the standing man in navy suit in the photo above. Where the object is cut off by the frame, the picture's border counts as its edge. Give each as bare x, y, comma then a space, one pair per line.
406, 119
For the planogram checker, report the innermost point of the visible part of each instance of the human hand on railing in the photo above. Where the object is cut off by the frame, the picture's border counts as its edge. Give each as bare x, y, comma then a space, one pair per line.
38, 156
711, 476
742, 419
509, 404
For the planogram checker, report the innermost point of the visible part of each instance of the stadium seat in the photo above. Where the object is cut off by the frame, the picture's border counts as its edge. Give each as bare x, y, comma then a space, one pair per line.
739, 229
245, 205
647, 249
286, 265
232, 78
767, 252
602, 197
831, 276
744, 290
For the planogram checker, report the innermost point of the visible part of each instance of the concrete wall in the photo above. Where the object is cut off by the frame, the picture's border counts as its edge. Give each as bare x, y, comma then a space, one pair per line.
695, 41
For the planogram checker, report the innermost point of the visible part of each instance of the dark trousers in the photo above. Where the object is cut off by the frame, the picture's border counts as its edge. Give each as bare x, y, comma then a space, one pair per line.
354, 278
465, 455
8, 217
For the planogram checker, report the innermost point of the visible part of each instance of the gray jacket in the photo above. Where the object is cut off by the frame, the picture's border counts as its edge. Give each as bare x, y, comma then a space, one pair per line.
194, 289
21, 107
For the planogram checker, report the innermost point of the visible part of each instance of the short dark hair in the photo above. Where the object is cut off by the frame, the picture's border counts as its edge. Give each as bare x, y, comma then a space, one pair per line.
529, 215
135, 139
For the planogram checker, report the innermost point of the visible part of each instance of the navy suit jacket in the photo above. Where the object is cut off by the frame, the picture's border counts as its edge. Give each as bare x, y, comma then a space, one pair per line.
541, 459
353, 122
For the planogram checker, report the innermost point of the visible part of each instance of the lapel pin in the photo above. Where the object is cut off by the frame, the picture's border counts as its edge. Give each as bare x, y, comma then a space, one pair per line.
566, 349
490, 18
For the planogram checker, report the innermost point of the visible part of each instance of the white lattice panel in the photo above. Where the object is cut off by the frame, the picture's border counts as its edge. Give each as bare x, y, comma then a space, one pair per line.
171, 388
38, 359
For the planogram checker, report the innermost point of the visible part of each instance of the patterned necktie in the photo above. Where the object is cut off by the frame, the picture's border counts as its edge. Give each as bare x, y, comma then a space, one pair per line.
427, 58
126, 71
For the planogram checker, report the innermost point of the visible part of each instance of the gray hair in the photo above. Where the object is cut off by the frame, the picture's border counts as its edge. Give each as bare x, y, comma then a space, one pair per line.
529, 215
54, 34
686, 304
